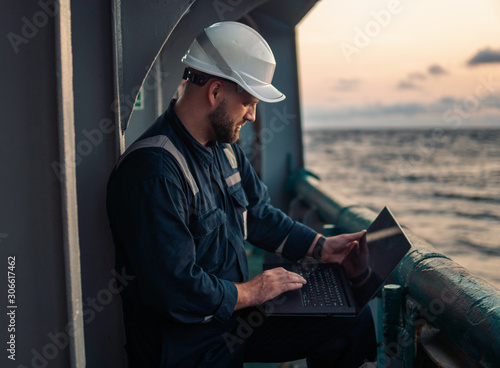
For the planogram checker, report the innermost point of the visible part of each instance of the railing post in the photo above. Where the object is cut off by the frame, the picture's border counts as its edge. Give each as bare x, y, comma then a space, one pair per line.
393, 325
410, 344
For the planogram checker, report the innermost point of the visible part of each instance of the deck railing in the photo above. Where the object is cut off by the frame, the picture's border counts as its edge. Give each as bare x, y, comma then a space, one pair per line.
449, 316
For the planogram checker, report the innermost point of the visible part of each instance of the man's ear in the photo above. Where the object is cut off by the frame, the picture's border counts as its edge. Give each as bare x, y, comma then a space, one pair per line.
215, 90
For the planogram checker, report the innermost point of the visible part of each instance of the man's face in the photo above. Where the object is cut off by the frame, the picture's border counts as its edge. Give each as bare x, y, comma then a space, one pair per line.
231, 114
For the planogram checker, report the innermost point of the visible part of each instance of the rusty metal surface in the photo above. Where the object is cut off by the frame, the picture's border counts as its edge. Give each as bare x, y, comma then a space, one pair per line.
440, 351
466, 308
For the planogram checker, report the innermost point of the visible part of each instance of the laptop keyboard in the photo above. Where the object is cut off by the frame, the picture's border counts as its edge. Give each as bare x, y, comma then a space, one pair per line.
322, 288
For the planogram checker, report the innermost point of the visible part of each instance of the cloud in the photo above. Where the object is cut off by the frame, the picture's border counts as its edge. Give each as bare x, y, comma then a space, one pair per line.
371, 111
417, 75
406, 84
485, 56
410, 82
347, 85
436, 69
412, 108
448, 100
434, 109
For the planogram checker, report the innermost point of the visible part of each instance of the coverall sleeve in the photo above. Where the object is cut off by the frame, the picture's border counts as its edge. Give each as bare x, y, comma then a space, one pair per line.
154, 232
269, 227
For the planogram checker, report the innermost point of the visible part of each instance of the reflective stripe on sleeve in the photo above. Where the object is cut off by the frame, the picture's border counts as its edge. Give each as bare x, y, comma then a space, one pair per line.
208, 319
282, 245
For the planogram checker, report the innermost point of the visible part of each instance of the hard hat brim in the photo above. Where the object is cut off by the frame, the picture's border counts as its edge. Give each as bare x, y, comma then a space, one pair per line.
267, 93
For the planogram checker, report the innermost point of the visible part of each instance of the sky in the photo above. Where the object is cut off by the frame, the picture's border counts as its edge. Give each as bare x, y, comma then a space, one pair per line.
393, 62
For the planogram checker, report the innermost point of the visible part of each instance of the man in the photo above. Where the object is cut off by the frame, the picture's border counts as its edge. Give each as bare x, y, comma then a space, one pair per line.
181, 202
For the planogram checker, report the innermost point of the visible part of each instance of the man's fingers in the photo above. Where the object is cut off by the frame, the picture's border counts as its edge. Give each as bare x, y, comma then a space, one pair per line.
353, 247
293, 286
293, 281
285, 276
354, 236
293, 277
278, 280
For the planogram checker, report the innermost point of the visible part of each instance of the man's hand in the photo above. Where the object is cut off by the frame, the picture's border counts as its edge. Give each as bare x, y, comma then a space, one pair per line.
336, 248
356, 262
266, 286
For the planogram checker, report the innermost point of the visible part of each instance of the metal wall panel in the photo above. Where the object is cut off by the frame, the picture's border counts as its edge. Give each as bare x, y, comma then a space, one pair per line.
95, 141
281, 133
31, 222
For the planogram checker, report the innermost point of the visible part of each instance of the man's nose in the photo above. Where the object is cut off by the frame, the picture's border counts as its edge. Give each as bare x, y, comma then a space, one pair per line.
250, 114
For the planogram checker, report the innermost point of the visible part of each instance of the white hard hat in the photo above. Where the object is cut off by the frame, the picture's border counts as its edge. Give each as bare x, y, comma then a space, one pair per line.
236, 52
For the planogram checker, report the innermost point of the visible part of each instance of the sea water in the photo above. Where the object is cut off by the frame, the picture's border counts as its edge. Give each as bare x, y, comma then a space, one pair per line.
442, 184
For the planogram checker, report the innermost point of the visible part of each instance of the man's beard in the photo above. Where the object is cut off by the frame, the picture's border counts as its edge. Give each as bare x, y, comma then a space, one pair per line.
225, 129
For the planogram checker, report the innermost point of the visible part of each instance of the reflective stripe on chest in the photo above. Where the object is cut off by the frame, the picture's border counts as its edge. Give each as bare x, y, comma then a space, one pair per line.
232, 178
164, 142
231, 157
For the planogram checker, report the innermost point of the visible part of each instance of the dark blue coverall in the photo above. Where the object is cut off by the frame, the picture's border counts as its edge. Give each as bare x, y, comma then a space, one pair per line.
179, 213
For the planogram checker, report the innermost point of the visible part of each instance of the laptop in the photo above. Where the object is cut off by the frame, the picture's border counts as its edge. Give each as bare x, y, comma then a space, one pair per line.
328, 292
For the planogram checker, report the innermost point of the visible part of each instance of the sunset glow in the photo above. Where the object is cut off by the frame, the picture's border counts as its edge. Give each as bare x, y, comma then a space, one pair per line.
396, 62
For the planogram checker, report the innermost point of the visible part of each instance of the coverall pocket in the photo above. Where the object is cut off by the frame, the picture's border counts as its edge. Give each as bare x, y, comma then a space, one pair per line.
241, 201
204, 224
205, 231
240, 197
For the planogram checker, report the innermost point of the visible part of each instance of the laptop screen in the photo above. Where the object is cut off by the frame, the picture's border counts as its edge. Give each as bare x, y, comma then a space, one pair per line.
386, 245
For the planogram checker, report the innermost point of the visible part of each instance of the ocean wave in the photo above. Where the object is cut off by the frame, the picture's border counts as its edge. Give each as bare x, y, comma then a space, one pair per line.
483, 249
475, 197
469, 215
479, 216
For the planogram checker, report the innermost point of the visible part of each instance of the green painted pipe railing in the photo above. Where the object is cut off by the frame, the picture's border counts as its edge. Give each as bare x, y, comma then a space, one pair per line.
462, 306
